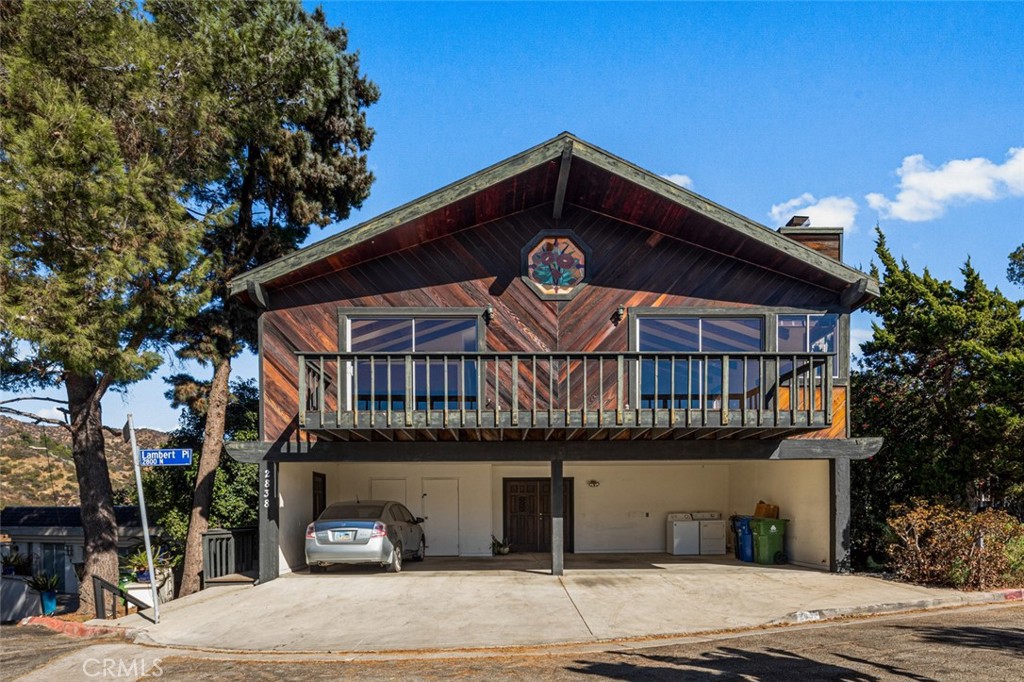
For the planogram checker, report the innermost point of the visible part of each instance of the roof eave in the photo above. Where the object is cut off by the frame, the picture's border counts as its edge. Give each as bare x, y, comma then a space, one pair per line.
545, 151
254, 279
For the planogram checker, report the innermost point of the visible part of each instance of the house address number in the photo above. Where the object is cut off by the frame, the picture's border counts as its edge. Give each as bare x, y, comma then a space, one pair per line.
266, 487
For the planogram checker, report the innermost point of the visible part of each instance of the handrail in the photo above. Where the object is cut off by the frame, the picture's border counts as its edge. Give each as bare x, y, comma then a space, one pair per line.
99, 586
564, 389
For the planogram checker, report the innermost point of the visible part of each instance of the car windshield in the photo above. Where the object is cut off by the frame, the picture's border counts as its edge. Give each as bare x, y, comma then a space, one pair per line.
353, 511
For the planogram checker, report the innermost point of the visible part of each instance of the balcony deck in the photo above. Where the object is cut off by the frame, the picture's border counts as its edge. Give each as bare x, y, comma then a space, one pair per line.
487, 396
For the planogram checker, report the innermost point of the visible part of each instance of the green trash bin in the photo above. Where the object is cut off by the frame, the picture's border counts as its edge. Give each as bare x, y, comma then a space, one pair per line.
769, 543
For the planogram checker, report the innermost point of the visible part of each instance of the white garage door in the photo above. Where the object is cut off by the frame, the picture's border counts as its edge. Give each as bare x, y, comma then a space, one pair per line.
441, 511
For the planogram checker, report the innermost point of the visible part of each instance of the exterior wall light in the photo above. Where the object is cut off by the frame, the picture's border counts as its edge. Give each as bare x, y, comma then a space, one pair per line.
619, 315
593, 484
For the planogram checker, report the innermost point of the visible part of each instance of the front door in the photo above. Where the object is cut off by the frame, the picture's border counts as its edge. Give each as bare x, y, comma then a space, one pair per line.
319, 494
528, 514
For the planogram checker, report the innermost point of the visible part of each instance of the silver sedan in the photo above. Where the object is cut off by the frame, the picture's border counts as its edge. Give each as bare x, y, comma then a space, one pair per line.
365, 532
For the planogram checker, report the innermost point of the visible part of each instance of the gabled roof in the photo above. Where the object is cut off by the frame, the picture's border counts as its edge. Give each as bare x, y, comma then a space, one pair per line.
564, 170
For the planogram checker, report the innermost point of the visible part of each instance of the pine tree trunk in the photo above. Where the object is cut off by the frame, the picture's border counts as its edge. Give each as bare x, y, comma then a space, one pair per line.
209, 460
99, 526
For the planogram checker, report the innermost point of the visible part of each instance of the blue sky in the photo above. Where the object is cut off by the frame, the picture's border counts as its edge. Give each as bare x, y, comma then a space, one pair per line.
906, 114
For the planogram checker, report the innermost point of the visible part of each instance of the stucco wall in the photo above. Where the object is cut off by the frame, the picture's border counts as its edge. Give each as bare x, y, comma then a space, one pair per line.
295, 493
801, 489
624, 513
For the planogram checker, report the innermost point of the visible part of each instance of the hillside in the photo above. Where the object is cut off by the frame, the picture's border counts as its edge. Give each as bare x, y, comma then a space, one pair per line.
30, 477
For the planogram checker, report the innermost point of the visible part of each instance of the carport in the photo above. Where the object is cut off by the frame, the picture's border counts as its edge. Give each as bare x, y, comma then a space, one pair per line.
614, 506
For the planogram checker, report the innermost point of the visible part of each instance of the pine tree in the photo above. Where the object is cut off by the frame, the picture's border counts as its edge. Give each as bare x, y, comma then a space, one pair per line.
292, 136
98, 253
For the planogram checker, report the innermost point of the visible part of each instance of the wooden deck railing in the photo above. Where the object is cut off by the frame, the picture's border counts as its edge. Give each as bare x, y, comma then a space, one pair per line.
229, 551
563, 390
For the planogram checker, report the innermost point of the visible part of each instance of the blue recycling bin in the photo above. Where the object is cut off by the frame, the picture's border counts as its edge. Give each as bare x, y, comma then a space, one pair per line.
744, 548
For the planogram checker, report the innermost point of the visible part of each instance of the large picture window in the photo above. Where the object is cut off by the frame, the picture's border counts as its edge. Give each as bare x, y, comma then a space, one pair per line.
664, 384
380, 384
809, 334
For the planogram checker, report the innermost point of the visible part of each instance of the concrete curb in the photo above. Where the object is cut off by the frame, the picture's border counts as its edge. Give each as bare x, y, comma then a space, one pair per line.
75, 629
969, 598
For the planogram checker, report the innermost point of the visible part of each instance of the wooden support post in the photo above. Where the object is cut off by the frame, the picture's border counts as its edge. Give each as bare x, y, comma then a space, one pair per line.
268, 513
839, 504
557, 519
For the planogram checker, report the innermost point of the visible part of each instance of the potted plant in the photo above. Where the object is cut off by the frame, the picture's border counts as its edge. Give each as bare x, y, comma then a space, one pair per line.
138, 565
17, 564
46, 586
500, 547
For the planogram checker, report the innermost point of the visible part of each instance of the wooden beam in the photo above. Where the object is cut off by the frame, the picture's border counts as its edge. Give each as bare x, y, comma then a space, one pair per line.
563, 180
258, 294
853, 293
535, 450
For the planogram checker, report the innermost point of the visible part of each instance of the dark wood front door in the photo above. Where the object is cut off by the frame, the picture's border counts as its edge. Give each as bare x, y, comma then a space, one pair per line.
319, 494
528, 514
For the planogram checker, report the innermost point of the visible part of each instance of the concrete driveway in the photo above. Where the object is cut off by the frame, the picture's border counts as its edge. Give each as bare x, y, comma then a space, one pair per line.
513, 601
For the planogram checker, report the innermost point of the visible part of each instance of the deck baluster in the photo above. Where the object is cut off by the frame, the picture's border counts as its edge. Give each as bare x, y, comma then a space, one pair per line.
515, 390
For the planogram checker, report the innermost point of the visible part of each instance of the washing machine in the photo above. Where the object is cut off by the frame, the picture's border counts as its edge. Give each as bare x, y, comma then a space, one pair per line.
682, 534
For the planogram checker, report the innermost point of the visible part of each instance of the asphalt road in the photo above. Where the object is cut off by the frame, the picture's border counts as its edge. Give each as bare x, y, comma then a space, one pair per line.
970, 644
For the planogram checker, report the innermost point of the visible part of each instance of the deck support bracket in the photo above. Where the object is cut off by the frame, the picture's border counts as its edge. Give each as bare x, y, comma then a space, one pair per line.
853, 293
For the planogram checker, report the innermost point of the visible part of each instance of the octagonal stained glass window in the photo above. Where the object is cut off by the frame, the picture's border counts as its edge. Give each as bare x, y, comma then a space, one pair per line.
555, 264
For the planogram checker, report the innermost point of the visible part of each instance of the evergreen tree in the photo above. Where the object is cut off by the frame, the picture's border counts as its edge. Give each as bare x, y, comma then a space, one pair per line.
1015, 270
98, 254
292, 134
941, 382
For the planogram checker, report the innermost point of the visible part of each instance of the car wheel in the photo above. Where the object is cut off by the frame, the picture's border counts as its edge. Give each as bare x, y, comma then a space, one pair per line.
313, 568
395, 564
421, 553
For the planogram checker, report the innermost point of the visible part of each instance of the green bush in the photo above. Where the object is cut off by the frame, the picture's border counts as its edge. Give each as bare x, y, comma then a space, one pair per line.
937, 545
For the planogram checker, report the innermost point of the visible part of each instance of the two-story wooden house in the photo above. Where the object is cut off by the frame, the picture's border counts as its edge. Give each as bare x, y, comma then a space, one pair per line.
559, 350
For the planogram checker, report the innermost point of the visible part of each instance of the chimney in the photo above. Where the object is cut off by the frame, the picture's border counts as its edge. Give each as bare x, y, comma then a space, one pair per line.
824, 240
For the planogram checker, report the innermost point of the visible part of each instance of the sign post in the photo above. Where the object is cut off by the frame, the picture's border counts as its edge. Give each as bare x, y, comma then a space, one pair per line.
130, 428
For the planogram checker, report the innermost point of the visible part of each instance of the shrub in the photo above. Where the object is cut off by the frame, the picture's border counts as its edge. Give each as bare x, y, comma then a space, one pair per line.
938, 545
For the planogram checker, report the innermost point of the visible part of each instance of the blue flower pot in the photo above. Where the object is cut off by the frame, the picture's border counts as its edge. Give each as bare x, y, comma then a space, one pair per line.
49, 602
142, 576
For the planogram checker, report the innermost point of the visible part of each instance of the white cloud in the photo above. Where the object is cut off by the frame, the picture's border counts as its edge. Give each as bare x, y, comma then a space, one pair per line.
825, 212
925, 192
680, 179
51, 413
859, 335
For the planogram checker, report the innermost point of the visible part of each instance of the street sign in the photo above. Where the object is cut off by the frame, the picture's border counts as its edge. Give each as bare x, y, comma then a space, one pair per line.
166, 457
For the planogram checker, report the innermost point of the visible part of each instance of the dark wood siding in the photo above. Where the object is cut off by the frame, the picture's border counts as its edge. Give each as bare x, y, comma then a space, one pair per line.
480, 266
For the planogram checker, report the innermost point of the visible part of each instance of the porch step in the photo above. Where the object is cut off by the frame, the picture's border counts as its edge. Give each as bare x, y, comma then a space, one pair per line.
244, 578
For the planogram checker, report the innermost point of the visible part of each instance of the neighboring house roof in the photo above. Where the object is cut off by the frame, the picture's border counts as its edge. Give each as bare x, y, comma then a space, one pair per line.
563, 171
12, 518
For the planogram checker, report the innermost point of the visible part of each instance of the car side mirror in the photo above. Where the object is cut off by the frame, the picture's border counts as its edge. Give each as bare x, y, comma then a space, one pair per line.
419, 519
